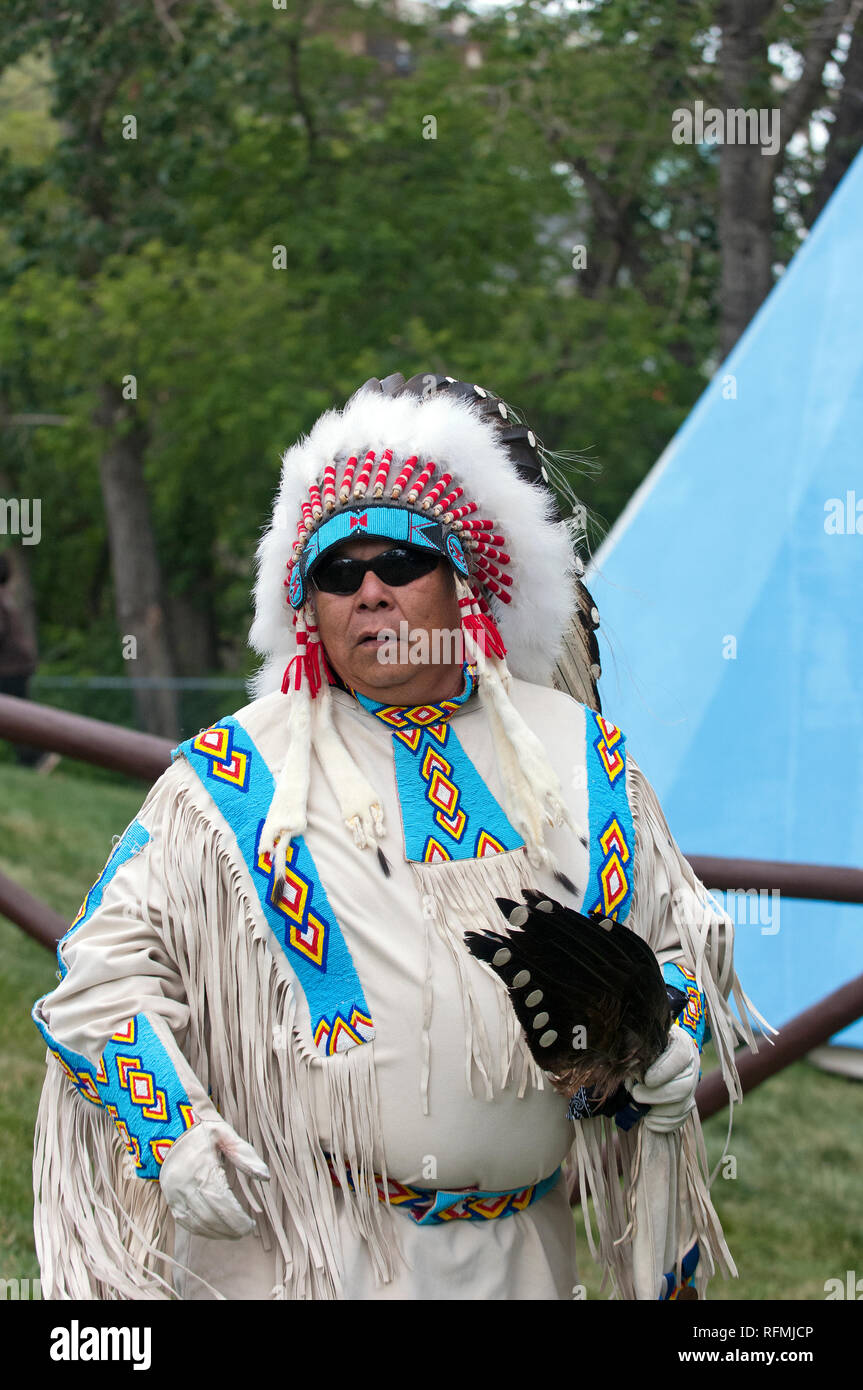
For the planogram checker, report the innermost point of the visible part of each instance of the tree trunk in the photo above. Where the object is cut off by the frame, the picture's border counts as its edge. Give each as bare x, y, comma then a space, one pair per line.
745, 177
845, 133
192, 635
134, 560
20, 590
137, 587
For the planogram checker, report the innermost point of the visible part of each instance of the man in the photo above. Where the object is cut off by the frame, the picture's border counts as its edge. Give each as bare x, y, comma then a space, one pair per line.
268, 994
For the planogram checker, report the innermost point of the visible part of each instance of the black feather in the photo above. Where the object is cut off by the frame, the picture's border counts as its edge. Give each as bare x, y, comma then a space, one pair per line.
384, 863
604, 1011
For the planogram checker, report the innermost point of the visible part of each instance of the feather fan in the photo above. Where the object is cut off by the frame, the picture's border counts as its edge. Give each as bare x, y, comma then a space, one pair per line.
588, 993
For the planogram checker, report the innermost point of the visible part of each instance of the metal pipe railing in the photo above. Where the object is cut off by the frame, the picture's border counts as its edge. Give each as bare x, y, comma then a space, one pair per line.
146, 756
33, 917
811, 1028
821, 882
77, 736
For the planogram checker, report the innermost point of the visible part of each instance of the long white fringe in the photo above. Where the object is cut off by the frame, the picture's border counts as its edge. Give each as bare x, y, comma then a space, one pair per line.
459, 896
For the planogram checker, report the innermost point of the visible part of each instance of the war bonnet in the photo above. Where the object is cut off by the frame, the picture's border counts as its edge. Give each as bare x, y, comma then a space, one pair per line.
435, 462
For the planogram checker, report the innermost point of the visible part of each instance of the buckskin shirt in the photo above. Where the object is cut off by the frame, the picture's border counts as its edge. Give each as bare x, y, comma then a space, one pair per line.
344, 1030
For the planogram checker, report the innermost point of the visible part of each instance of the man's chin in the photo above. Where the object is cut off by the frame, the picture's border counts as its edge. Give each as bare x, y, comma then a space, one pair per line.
372, 670
377, 671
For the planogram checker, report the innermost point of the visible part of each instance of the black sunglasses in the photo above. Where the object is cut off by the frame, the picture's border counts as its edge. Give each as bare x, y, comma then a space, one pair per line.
398, 566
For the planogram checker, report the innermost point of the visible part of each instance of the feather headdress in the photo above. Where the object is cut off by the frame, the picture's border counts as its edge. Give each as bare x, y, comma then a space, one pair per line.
456, 458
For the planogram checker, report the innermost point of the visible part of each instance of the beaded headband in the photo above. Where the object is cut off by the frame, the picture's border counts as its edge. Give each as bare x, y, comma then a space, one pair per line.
395, 523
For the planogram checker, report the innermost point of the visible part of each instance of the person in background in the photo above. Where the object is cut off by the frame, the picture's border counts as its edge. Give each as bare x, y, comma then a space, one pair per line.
17, 663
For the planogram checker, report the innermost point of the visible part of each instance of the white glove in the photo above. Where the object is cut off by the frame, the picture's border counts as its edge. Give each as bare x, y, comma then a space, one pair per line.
669, 1085
194, 1184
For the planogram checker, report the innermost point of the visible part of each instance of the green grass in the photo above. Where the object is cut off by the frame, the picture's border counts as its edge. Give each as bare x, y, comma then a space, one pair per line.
793, 1216
55, 835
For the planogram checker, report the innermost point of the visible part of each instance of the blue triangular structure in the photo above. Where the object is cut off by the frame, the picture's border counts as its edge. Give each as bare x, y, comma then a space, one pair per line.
730, 592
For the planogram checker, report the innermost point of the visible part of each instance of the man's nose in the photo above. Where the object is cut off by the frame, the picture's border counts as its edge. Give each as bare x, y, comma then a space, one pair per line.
373, 593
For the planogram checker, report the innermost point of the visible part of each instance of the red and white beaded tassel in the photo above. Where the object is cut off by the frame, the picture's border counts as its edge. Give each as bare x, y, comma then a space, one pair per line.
404, 477
329, 489
315, 501
476, 614
286, 817
481, 627
419, 486
380, 481
365, 474
431, 501
347, 479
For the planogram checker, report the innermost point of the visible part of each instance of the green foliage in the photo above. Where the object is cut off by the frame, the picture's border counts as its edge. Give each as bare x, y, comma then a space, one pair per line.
153, 258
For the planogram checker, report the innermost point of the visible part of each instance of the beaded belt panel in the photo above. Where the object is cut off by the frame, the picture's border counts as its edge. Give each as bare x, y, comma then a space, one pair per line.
431, 1206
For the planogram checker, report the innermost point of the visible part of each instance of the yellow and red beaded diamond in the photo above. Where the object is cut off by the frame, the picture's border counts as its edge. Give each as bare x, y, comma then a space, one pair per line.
227, 763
